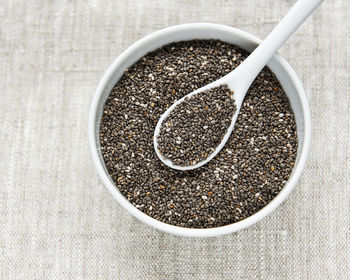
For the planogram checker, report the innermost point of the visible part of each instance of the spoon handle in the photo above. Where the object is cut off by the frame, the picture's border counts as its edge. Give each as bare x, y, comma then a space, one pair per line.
256, 61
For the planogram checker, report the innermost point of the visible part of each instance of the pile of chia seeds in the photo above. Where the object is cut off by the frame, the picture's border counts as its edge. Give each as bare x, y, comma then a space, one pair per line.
247, 174
196, 126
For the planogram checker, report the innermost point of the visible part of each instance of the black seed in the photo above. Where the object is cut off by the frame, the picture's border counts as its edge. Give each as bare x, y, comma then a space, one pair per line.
196, 126
246, 175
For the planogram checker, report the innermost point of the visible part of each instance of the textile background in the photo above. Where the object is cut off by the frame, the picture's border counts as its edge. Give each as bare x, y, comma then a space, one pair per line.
57, 221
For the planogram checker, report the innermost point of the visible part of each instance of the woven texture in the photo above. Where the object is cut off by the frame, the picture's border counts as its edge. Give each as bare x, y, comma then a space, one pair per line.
57, 221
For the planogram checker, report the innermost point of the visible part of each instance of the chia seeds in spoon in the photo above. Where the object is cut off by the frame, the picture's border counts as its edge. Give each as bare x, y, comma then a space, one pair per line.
245, 176
196, 126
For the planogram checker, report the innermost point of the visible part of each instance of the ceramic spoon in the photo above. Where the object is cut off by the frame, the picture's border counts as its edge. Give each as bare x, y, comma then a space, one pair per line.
240, 79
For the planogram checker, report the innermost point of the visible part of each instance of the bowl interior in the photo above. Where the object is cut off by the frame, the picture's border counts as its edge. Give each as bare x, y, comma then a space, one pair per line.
279, 67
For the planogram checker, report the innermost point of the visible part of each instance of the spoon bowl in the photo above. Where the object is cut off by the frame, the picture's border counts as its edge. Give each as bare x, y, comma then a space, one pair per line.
166, 114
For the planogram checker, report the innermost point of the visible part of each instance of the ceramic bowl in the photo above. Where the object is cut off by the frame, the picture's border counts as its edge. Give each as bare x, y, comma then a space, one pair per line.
280, 67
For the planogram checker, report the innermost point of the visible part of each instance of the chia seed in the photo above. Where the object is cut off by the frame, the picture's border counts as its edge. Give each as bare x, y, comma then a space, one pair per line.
196, 126
246, 175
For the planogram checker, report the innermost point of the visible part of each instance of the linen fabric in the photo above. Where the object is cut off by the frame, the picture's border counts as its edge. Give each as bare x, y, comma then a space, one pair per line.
57, 220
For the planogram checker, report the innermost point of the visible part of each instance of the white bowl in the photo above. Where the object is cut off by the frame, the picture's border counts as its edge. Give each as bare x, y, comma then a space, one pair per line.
246, 41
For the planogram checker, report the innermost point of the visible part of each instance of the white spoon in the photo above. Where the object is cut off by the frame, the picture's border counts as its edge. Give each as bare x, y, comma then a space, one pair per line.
240, 79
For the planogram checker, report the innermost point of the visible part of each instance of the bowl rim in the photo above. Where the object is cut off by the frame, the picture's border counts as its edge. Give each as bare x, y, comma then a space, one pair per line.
196, 232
